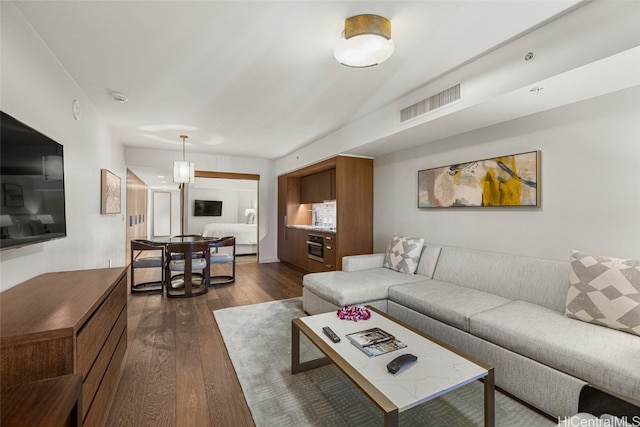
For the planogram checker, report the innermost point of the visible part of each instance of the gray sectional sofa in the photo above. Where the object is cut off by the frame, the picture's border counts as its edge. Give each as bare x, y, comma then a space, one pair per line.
507, 310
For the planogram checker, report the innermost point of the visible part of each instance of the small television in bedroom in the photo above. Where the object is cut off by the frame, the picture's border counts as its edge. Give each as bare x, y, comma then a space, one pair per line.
207, 208
32, 203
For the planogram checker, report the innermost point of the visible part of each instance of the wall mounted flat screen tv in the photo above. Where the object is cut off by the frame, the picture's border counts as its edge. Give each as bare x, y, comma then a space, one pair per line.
32, 199
207, 208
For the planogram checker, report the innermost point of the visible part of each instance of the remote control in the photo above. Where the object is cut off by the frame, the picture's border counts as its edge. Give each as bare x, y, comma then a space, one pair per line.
397, 363
332, 335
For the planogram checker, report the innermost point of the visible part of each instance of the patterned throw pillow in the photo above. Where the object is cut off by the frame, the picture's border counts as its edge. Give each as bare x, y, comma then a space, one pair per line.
605, 291
403, 254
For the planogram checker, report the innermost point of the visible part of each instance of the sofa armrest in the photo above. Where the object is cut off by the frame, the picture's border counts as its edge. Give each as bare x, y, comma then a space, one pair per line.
362, 262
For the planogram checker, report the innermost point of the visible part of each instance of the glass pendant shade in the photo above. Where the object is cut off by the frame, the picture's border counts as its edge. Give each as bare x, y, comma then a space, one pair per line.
183, 172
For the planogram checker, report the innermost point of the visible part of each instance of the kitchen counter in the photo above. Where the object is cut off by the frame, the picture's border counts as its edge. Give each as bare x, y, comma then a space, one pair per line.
318, 228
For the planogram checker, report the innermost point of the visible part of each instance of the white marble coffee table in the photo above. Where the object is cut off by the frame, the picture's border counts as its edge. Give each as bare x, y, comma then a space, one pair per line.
440, 368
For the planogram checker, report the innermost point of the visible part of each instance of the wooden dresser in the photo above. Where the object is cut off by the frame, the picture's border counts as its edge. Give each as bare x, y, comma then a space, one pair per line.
63, 323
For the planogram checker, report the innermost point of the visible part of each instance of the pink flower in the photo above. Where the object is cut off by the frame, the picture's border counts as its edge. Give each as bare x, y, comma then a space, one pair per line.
354, 313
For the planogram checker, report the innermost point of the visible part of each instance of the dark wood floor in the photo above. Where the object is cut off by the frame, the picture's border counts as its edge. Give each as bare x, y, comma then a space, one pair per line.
177, 371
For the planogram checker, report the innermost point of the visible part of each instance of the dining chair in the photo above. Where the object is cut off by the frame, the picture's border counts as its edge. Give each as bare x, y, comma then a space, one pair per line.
140, 260
187, 259
223, 251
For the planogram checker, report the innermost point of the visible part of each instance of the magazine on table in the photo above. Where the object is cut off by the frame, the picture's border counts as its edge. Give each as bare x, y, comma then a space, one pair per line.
375, 341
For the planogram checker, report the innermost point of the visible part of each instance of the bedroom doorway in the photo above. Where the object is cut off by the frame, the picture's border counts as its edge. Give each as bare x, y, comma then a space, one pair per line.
222, 204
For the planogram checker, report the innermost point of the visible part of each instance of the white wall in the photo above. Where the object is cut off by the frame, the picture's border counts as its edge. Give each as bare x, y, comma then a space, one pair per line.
267, 186
233, 205
38, 91
589, 182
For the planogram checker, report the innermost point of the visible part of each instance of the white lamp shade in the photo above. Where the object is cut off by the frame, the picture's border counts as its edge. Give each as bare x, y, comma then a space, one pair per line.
364, 50
183, 172
5, 221
45, 219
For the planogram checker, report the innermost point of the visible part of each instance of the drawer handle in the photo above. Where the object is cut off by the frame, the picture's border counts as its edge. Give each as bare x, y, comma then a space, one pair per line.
328, 248
328, 238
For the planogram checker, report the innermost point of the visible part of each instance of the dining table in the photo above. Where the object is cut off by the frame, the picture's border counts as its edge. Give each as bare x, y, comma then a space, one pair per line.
190, 242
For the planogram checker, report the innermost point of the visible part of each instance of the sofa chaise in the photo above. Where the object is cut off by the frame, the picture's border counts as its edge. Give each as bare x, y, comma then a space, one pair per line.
508, 310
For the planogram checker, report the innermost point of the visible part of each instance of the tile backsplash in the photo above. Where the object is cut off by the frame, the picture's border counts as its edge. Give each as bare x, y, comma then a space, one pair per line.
324, 214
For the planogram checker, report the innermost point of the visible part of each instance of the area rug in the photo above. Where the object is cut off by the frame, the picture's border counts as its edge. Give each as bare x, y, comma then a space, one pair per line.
258, 339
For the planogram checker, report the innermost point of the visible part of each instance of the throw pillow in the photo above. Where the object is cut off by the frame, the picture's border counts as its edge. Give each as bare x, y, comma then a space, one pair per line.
605, 291
403, 254
428, 261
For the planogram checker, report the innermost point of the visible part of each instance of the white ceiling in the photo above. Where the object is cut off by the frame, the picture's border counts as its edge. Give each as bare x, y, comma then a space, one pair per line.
258, 78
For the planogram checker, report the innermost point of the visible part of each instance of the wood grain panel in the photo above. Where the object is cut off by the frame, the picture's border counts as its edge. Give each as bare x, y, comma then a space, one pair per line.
96, 416
57, 400
49, 358
93, 379
93, 335
72, 296
136, 210
354, 192
60, 322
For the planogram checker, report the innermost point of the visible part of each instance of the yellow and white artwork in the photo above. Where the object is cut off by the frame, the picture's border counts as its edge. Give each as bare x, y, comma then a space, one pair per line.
511, 180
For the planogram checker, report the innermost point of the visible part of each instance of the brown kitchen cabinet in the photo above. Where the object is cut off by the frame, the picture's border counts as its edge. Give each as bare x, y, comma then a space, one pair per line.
330, 242
297, 242
318, 187
351, 185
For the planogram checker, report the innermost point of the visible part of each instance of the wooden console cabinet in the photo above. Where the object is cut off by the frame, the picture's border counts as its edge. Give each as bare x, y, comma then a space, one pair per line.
64, 323
348, 180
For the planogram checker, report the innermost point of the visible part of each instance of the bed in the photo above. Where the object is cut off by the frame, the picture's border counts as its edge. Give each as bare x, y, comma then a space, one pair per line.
246, 235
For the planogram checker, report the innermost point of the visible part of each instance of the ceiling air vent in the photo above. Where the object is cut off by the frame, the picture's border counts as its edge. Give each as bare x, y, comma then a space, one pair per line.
434, 102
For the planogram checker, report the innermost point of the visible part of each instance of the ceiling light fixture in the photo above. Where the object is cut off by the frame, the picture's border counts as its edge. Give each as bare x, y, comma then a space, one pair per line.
366, 41
183, 172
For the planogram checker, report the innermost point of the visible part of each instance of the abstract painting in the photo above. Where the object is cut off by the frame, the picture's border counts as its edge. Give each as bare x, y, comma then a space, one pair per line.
511, 180
110, 194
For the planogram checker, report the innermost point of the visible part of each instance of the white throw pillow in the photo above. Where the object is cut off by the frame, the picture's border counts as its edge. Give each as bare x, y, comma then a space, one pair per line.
605, 291
403, 254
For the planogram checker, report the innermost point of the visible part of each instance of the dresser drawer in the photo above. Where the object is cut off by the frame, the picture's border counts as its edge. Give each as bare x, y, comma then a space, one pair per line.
94, 379
97, 414
95, 331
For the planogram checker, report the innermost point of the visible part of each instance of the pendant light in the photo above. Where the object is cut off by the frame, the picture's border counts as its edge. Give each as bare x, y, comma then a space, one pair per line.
183, 172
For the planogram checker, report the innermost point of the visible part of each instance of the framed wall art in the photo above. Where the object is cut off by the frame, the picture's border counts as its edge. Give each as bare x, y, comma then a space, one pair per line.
13, 195
110, 193
512, 180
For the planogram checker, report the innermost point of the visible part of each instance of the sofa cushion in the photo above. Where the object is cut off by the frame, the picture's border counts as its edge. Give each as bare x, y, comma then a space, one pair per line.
341, 288
428, 260
595, 354
605, 291
538, 281
403, 253
448, 303
362, 262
